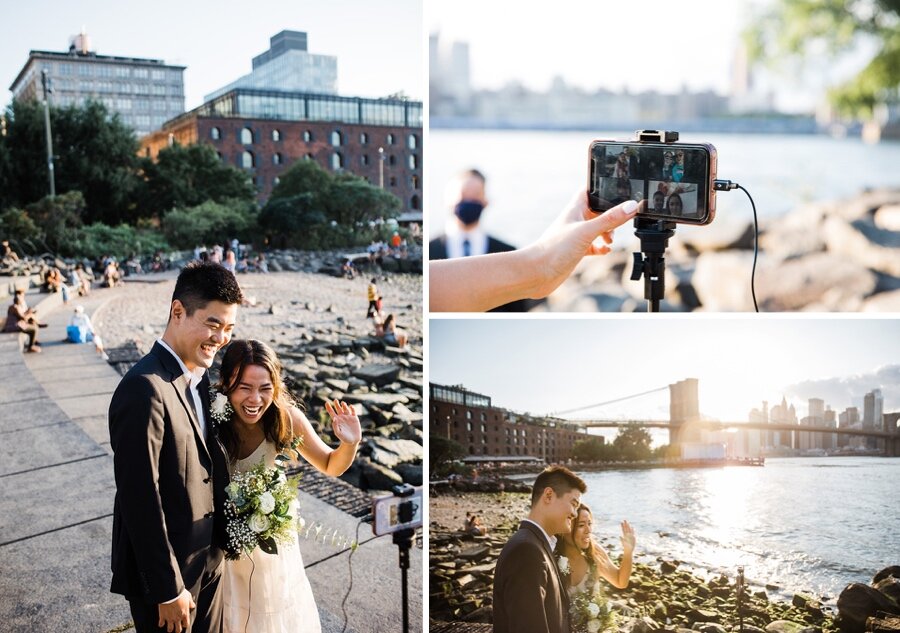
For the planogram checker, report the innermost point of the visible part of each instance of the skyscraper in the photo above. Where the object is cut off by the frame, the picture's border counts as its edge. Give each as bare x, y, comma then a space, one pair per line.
873, 415
144, 92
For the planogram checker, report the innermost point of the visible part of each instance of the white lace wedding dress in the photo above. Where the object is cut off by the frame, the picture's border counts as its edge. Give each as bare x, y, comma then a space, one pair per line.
277, 598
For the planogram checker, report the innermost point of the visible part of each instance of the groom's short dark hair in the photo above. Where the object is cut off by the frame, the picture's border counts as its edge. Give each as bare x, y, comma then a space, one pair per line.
560, 478
199, 283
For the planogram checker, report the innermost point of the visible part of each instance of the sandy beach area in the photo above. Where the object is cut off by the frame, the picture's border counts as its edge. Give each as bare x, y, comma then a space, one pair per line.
288, 304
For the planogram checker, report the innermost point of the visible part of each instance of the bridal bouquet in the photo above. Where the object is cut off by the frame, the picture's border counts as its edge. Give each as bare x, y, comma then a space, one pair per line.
590, 612
257, 510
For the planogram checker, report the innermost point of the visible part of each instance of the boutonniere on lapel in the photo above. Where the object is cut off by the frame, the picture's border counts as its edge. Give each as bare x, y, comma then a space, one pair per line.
564, 568
220, 409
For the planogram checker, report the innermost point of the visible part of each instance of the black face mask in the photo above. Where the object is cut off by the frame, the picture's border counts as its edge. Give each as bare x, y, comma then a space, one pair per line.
468, 211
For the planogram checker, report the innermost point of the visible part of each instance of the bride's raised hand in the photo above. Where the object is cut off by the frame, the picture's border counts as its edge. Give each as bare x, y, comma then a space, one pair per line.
344, 421
627, 538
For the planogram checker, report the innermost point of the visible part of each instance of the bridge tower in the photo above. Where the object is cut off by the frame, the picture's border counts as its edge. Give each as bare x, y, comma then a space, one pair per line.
684, 411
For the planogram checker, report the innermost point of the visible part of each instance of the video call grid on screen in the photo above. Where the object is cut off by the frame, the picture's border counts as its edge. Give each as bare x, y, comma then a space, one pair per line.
672, 179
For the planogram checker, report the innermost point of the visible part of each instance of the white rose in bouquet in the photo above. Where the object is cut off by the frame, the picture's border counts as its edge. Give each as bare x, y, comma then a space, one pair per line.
593, 626
266, 503
259, 523
593, 609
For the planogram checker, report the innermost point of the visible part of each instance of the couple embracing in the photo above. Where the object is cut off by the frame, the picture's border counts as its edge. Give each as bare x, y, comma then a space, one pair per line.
548, 575
173, 461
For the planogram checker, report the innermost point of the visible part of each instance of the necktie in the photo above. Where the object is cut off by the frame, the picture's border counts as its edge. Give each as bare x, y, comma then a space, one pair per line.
467, 248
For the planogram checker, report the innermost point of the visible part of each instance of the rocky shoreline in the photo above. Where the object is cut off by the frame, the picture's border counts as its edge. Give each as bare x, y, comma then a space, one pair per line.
662, 596
841, 255
316, 323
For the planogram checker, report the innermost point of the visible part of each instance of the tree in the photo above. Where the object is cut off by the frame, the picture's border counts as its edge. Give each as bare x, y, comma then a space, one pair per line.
311, 208
793, 28
210, 222
442, 451
592, 449
183, 177
633, 443
94, 153
58, 219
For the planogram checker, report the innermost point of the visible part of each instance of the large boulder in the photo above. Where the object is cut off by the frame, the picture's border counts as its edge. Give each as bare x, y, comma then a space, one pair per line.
377, 477
863, 242
823, 280
389, 453
857, 603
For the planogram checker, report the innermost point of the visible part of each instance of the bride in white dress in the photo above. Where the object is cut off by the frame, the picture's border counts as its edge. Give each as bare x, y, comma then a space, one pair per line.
270, 593
583, 562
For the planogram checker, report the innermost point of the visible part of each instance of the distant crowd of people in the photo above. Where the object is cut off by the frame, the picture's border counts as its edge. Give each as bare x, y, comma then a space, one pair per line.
385, 326
234, 256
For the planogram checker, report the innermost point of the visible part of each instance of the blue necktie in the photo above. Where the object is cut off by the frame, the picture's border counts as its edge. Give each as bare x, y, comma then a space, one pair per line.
467, 248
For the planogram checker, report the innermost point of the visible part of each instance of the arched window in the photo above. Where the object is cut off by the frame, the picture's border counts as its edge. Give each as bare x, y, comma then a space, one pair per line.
247, 160
246, 136
412, 141
276, 135
307, 136
276, 158
413, 162
391, 160
336, 139
363, 138
414, 203
215, 134
337, 161
393, 181
308, 157
390, 139
415, 185
364, 159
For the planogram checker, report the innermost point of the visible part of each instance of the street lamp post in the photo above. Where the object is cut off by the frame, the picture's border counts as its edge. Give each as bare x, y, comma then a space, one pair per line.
45, 82
381, 167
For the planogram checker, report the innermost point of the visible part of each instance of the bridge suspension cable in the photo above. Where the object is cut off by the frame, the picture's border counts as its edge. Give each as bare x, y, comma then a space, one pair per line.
600, 404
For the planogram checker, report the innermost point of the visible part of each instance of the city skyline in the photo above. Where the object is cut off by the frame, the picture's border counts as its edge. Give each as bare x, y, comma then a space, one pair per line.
546, 367
639, 46
373, 60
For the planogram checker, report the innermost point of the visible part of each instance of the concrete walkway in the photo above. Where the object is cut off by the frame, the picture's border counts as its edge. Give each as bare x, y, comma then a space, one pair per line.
56, 497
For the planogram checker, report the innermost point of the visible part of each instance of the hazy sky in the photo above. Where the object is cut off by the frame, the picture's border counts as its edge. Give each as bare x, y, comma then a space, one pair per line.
638, 44
378, 43
540, 365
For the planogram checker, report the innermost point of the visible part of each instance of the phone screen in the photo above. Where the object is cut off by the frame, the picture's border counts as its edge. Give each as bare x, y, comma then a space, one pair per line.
672, 178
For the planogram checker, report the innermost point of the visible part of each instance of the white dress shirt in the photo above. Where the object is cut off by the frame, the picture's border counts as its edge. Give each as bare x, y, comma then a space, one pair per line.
194, 377
550, 539
456, 236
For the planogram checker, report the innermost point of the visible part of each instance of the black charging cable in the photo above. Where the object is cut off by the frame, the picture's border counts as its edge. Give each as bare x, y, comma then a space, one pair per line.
727, 185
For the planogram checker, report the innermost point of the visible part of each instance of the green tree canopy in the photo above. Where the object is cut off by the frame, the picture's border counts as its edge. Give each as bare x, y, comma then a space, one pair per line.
94, 154
633, 443
592, 449
183, 177
442, 451
312, 208
210, 223
806, 27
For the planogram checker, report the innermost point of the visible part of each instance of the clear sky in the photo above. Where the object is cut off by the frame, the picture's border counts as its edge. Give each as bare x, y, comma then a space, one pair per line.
540, 365
638, 44
379, 43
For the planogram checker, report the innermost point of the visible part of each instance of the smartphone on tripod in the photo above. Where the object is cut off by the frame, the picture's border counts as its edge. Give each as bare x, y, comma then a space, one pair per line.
673, 181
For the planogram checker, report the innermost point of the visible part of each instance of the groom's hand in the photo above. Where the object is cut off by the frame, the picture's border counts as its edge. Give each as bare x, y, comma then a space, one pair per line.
176, 616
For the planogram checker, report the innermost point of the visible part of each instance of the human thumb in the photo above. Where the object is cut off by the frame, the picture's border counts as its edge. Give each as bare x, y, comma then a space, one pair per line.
609, 220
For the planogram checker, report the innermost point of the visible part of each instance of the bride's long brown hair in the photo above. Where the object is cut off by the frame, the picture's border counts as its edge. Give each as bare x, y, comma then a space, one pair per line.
276, 419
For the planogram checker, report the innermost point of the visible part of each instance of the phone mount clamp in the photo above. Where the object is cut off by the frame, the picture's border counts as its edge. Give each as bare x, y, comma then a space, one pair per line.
403, 539
650, 262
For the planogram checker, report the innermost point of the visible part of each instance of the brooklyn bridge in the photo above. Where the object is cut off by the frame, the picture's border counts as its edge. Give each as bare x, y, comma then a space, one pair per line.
686, 424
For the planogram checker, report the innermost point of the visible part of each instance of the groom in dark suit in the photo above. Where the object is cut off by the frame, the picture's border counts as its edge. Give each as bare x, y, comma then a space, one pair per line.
529, 593
170, 469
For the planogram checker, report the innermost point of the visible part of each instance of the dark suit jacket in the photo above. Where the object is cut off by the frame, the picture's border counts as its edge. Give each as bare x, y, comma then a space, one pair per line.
168, 524
529, 593
437, 249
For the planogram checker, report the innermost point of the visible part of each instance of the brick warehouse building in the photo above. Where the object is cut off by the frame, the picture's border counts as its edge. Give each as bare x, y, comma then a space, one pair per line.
483, 430
264, 132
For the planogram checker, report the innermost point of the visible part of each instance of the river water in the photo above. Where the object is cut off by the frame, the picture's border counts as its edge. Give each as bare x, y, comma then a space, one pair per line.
803, 524
532, 174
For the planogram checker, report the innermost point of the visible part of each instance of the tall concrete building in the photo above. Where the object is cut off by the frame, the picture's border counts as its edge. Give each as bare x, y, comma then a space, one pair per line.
287, 66
873, 415
848, 419
783, 414
145, 93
